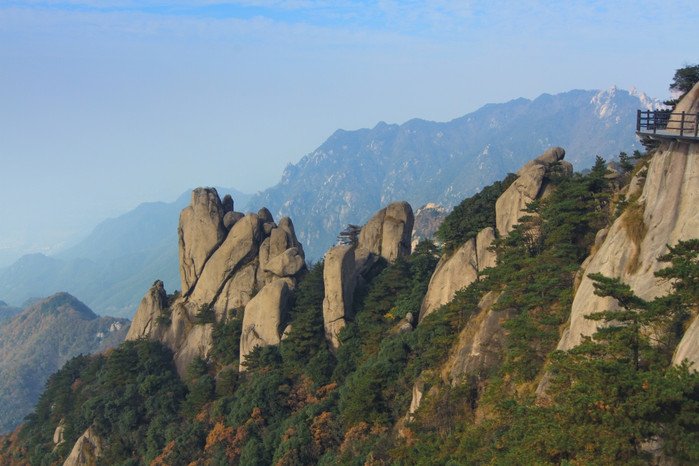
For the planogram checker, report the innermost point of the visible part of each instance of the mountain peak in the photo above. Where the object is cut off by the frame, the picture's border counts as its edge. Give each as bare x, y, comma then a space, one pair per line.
61, 303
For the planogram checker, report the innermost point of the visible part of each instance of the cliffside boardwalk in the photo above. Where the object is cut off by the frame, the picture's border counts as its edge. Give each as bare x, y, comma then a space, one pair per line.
664, 124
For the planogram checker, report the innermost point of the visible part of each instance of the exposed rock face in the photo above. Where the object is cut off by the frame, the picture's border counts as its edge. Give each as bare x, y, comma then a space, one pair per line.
175, 327
458, 271
689, 346
221, 274
264, 318
200, 232
481, 342
688, 104
339, 277
451, 274
239, 248
387, 233
665, 214
86, 450
527, 187
58, 433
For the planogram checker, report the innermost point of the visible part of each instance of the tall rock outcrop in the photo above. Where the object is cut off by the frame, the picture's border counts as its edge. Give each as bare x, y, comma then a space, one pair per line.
200, 232
225, 259
664, 213
264, 317
386, 235
529, 185
339, 277
458, 271
86, 450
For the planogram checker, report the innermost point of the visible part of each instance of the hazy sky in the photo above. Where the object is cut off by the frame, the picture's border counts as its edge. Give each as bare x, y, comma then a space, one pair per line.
105, 104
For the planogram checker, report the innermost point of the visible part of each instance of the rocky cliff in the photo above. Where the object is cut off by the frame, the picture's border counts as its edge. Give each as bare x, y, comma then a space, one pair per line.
662, 213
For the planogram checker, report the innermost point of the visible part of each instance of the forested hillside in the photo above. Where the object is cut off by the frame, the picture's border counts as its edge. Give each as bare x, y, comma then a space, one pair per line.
390, 394
37, 341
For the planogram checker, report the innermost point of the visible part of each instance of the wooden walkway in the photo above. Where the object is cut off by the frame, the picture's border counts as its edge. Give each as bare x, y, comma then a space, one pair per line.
664, 124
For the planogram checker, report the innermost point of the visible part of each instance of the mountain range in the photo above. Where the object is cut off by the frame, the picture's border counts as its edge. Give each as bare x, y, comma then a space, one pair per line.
348, 178
352, 174
113, 266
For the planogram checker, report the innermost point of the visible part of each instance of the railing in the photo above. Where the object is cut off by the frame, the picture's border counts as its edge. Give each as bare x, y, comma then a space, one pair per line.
668, 124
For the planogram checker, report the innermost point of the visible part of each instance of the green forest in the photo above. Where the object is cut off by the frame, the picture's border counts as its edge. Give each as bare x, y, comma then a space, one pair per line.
610, 400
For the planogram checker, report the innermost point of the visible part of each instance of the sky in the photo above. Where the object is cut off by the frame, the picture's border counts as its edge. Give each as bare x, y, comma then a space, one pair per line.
105, 104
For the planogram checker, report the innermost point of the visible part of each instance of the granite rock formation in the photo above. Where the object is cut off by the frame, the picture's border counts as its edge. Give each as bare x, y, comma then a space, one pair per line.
264, 318
225, 259
462, 268
529, 185
386, 235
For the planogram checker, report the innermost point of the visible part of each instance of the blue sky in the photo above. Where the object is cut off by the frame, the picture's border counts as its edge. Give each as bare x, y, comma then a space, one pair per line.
105, 104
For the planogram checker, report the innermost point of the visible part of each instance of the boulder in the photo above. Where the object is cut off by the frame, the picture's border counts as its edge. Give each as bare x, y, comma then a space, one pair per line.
397, 231
227, 203
339, 279
288, 226
264, 318
200, 232
387, 234
265, 215
230, 218
286, 264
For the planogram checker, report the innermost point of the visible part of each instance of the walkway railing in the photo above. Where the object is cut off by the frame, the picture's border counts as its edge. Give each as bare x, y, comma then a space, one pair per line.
667, 124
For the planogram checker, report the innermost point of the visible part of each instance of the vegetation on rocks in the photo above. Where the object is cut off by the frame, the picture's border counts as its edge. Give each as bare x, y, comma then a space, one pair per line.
616, 398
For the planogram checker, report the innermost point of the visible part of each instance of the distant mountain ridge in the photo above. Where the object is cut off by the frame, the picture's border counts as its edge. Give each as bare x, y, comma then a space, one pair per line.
353, 173
347, 179
111, 268
39, 340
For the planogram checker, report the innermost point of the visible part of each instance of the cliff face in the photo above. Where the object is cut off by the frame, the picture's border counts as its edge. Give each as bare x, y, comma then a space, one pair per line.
225, 259
664, 213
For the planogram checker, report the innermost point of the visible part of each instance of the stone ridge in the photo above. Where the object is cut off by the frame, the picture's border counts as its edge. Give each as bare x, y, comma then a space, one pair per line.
460, 269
